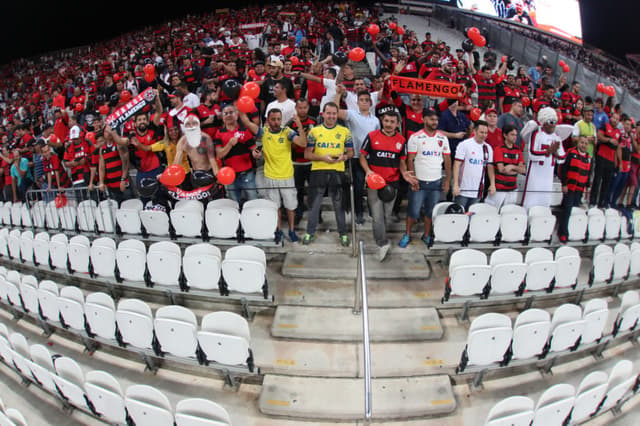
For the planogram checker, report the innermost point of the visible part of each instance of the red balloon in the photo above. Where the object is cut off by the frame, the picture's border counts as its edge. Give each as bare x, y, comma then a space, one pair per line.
245, 104
473, 32
104, 110
356, 54
125, 96
149, 77
400, 30
149, 69
600, 87
504, 58
91, 137
611, 91
566, 68
561, 63
375, 181
172, 175
373, 29
392, 25
226, 175
53, 138
475, 114
294, 61
252, 89
526, 101
480, 41
61, 201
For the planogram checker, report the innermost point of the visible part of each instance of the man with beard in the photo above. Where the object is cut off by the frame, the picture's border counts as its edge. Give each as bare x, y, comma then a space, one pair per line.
275, 69
198, 146
444, 73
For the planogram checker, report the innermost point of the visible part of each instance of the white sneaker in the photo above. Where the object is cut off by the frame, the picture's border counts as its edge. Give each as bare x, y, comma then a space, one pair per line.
382, 251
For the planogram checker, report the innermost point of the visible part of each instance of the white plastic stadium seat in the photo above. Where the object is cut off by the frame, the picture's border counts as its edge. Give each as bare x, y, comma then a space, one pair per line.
6, 213
222, 218
224, 338
41, 248
58, 251
578, 223
176, 328
21, 354
131, 258
15, 417
103, 257
69, 379
79, 253
511, 411
634, 267
202, 266
567, 266
155, 222
554, 405
448, 228
597, 223
25, 216
507, 270
186, 218
38, 214
602, 264
488, 339
12, 286
620, 381
100, 312
628, 314
52, 219
541, 223
621, 261
105, 393
201, 412
596, 314
147, 406
48, 300
567, 326
128, 216
87, 215
13, 242
135, 323
67, 215
29, 293
164, 261
71, 306
26, 246
42, 366
530, 333
16, 213
244, 269
259, 219
541, 268
468, 272
589, 395
106, 216
513, 223
4, 243
612, 224
484, 223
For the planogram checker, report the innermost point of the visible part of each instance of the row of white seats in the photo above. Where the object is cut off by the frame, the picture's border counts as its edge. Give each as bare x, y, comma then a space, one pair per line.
492, 339
11, 416
507, 271
222, 218
223, 337
563, 404
99, 393
512, 223
242, 270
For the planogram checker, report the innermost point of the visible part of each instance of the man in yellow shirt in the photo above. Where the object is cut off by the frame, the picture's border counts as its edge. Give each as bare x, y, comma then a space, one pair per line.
278, 166
328, 147
168, 145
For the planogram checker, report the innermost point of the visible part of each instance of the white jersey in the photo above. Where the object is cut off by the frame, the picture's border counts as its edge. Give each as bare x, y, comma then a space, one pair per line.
474, 157
288, 109
429, 153
539, 182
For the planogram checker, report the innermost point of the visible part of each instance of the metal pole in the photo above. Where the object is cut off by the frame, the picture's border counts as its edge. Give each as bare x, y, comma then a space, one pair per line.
365, 339
354, 249
357, 289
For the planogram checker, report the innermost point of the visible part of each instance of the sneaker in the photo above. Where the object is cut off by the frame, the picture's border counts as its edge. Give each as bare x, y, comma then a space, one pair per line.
279, 235
308, 239
382, 251
344, 240
404, 241
427, 239
359, 220
292, 236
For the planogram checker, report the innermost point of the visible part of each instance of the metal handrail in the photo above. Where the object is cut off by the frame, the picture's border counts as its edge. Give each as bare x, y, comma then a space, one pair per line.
366, 344
354, 248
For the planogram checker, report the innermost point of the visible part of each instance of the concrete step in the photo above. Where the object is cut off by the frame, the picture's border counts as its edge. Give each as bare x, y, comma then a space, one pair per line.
342, 399
340, 324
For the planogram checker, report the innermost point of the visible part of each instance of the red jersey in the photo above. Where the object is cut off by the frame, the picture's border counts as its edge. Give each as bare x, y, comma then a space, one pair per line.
78, 152
384, 154
605, 149
53, 165
148, 159
239, 158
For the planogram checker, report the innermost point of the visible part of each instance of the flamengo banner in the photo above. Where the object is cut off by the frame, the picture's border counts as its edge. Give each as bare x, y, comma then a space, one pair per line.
433, 88
203, 193
253, 26
118, 117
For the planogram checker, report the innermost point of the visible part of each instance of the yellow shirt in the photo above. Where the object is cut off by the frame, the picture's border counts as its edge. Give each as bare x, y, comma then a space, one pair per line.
276, 149
170, 151
332, 141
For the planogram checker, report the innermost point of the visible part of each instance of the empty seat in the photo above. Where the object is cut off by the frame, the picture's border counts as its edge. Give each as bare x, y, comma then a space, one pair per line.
29, 293
26, 246
105, 393
175, 328
488, 339
12, 288
52, 221
42, 367
164, 261
58, 251
67, 215
225, 338
554, 405
41, 248
541, 268
512, 411
202, 266
621, 261
4, 243
448, 228
468, 272
484, 223
589, 395
541, 223
507, 271
595, 314
259, 219
71, 306
619, 382
629, 312
131, 258
187, 217
567, 326
634, 264
128, 216
6, 213
146, 405
222, 218
612, 224
15, 417
513, 223
38, 214
79, 253
106, 216
16, 213
244, 269
69, 379
155, 222
530, 333
21, 354
100, 312
201, 412
87, 215
13, 243
602, 264
48, 300
578, 223
103, 257
567, 266
135, 323
25, 216
596, 223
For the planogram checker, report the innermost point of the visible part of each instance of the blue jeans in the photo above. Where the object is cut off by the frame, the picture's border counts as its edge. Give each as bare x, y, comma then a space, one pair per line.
148, 174
358, 185
617, 186
245, 181
466, 202
570, 200
426, 197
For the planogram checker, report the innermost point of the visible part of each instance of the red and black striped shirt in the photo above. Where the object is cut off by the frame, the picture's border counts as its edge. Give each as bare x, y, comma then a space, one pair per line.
77, 152
297, 152
625, 145
112, 166
575, 173
50, 166
605, 149
505, 155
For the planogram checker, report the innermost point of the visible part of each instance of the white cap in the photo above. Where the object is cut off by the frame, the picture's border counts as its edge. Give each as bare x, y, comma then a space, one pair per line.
74, 133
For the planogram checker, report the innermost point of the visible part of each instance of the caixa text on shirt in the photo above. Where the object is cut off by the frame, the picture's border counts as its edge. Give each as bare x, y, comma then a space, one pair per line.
477, 162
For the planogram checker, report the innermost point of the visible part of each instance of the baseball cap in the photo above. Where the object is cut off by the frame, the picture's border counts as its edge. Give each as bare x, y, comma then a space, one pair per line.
587, 108
490, 110
276, 63
565, 96
74, 133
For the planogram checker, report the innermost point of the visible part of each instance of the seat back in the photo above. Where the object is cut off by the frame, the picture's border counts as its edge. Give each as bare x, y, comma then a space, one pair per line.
202, 266
105, 393
187, 221
530, 333
175, 328
100, 311
554, 405
514, 411
41, 248
507, 270
155, 222
596, 315
71, 306
164, 261
106, 215
135, 323
222, 218
103, 257
589, 395
244, 269
58, 251
567, 266
87, 215
603, 260
541, 268
578, 223
259, 219
79, 253
613, 224
484, 226
488, 339
131, 258
128, 216
146, 405
198, 411
596, 223
48, 300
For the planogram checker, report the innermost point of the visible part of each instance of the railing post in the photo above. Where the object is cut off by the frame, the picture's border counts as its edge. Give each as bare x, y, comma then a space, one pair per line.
365, 338
354, 248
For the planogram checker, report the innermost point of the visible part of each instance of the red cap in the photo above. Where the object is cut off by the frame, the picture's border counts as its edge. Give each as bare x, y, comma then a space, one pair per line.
490, 110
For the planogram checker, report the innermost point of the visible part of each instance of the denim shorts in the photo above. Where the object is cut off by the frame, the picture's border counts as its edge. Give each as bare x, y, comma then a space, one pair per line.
426, 197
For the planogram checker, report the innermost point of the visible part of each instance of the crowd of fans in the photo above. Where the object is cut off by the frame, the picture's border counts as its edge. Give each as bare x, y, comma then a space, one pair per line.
313, 120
